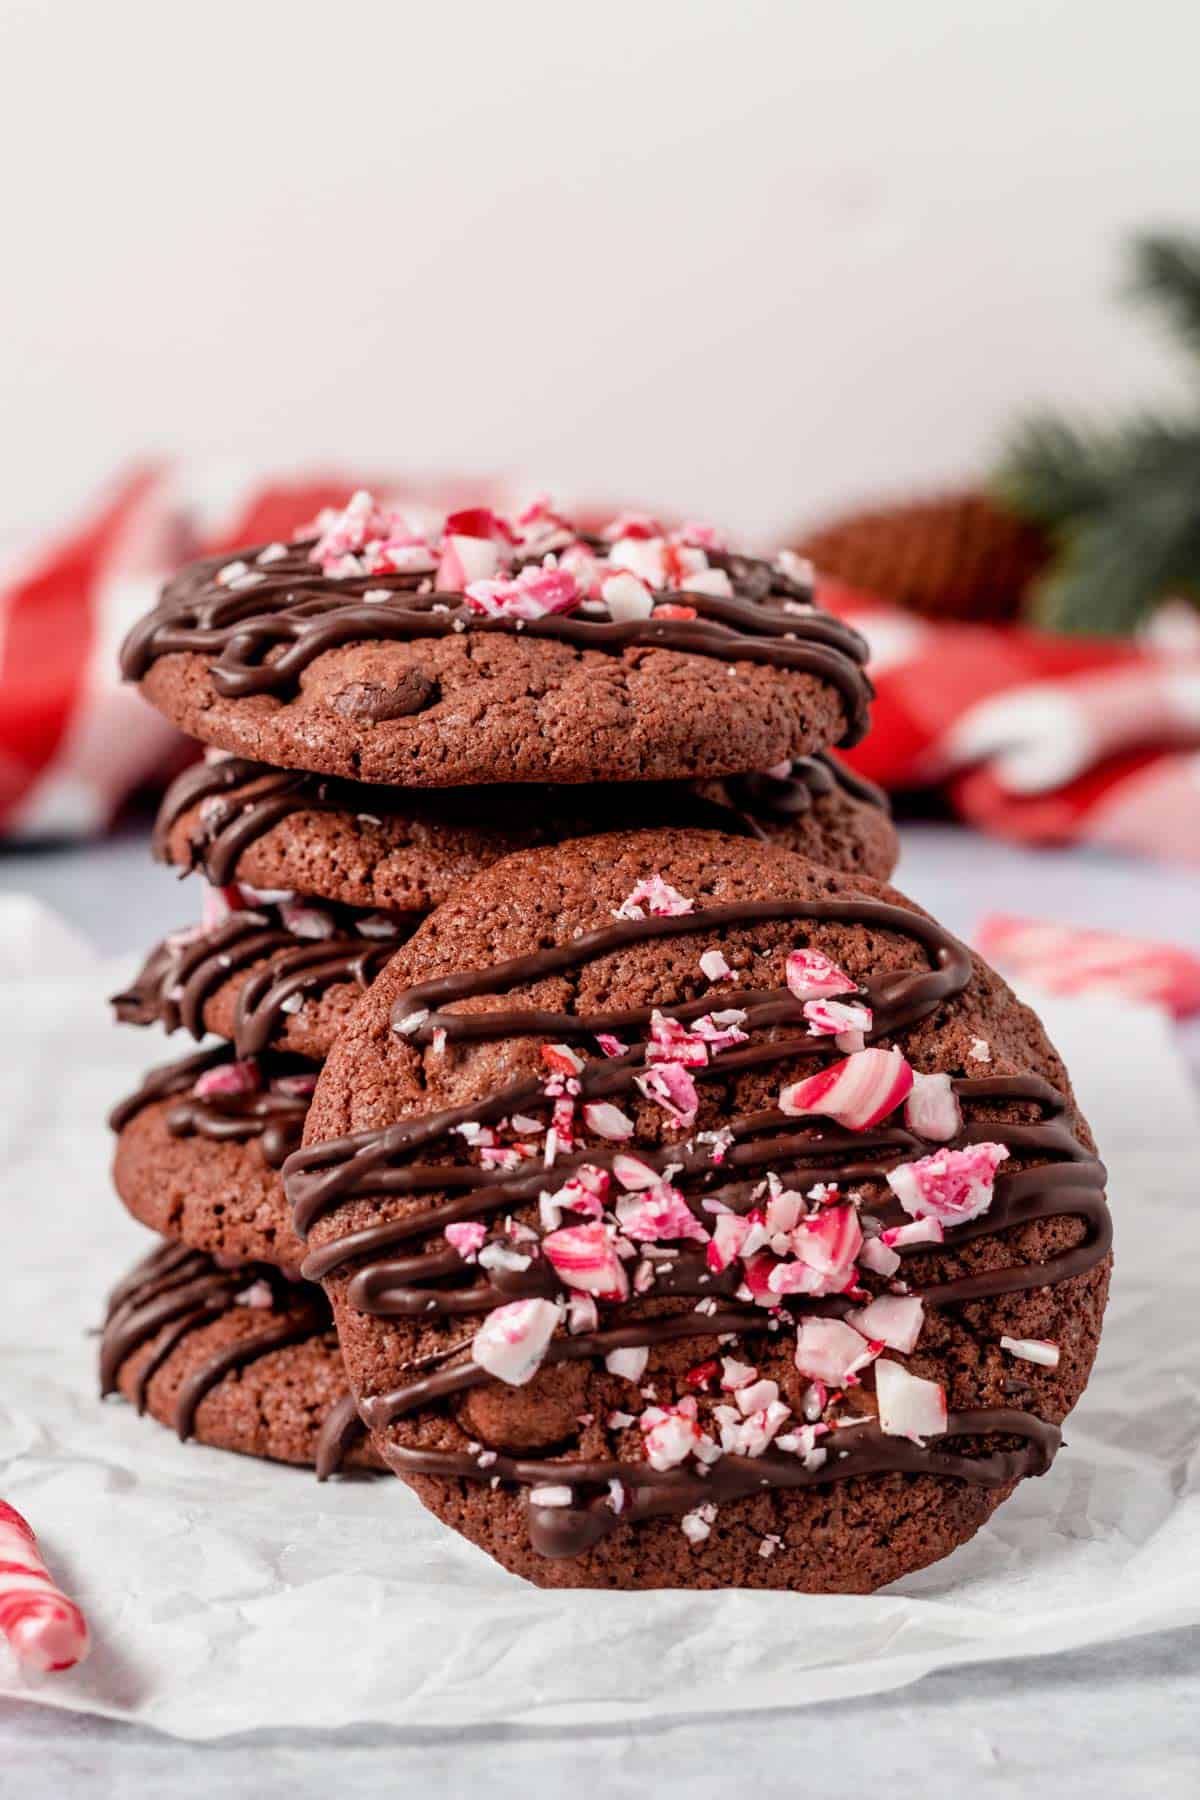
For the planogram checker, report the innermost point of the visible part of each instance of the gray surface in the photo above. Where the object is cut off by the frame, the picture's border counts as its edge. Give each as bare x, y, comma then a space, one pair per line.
1124, 1719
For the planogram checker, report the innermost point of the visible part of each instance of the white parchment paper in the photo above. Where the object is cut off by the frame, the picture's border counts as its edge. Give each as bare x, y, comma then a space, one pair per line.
226, 1594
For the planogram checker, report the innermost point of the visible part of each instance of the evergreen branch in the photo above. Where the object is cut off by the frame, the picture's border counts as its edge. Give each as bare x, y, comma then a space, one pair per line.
1166, 273
1052, 473
1119, 563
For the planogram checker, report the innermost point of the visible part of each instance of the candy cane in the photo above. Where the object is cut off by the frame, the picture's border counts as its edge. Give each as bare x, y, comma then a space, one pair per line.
46, 1630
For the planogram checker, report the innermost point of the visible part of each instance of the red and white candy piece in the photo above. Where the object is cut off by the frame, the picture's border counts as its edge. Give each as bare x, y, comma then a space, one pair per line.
45, 1629
932, 1109
714, 967
729, 1234
512, 1340
671, 1086
894, 1319
467, 1236
857, 1093
585, 1256
304, 919
655, 896
1065, 959
812, 976
831, 1018
830, 1350
604, 1120
909, 1406
475, 547
670, 1433
1034, 1350
533, 594
626, 596
629, 1362
659, 1214
228, 1079
951, 1186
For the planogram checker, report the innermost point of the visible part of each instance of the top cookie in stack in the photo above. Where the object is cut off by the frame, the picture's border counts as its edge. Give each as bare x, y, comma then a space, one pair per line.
484, 653
430, 698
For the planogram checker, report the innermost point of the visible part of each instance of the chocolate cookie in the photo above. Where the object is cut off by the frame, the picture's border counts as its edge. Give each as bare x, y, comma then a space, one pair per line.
640, 1270
199, 1150
280, 976
406, 851
490, 653
234, 1357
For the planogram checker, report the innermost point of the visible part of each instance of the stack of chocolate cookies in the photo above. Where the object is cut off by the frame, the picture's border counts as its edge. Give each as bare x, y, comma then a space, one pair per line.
593, 1139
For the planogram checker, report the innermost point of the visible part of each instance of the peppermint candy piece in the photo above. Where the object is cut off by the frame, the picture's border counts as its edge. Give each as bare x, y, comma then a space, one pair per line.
858, 1092
909, 1406
585, 1256
830, 1350
512, 1341
932, 1109
812, 976
1034, 1350
45, 1629
894, 1319
951, 1186
670, 1086
228, 1079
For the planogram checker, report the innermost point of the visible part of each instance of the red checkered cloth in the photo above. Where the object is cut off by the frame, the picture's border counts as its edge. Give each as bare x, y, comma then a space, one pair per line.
1044, 739
75, 741
1039, 738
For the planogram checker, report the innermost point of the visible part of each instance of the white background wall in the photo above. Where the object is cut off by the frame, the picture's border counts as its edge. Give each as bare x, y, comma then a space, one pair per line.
748, 258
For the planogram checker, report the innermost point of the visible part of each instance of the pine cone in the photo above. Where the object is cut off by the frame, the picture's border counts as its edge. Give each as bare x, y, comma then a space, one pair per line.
958, 556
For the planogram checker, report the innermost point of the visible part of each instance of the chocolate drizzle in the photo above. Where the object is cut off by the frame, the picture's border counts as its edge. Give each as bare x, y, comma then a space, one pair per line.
174, 1292
1067, 1180
262, 636
272, 1115
240, 801
184, 972
781, 798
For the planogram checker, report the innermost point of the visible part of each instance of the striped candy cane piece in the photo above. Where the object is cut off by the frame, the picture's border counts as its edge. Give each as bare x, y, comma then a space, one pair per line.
45, 1629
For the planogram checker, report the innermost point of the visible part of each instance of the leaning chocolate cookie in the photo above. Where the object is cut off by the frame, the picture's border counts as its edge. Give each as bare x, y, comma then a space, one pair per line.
199, 1150
234, 1357
482, 652
266, 972
406, 850
693, 1216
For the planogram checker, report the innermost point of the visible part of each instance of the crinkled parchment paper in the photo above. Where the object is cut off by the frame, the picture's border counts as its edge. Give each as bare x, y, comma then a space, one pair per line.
226, 1594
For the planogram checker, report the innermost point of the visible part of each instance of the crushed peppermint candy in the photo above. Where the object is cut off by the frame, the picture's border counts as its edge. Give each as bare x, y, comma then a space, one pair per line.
533, 594
858, 1092
228, 1079
655, 897
670, 1086
714, 967
951, 1186
909, 1406
512, 1341
585, 1256
629, 1363
467, 1237
812, 976
697, 1524
659, 1213
830, 1350
1034, 1350
932, 1109
670, 1433
552, 1494
607, 1121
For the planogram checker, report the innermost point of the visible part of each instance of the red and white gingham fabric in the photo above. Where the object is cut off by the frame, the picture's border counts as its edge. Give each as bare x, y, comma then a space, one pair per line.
1039, 738
75, 741
1044, 739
